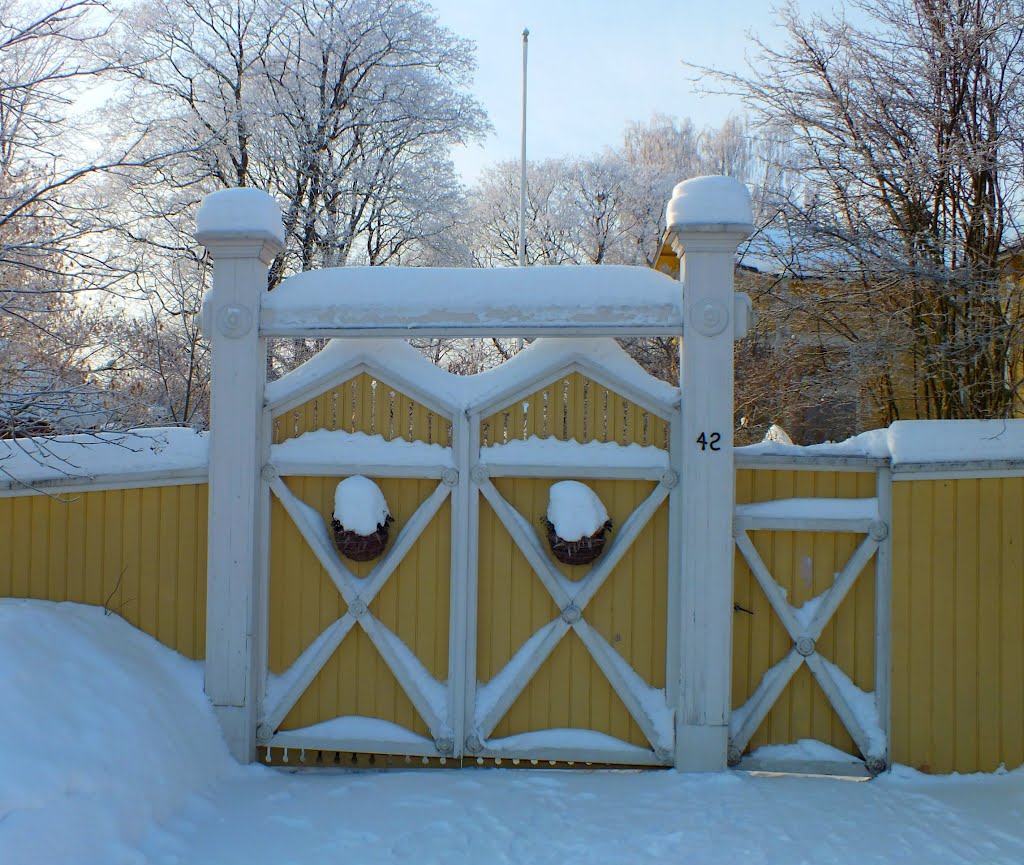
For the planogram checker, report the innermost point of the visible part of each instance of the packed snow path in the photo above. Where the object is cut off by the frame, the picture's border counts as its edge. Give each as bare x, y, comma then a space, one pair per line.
531, 817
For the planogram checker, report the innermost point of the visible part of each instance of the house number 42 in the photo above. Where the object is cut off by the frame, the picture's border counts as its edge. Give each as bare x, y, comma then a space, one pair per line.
709, 441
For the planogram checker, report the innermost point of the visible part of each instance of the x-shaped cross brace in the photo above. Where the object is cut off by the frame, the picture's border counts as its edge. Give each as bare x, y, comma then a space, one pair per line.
805, 635
495, 698
428, 695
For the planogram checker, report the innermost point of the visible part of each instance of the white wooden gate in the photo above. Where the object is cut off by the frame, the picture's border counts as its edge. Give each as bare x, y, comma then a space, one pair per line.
686, 722
460, 712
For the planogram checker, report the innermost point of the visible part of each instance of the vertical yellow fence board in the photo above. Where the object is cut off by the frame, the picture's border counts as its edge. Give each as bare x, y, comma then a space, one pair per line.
958, 617
127, 549
364, 404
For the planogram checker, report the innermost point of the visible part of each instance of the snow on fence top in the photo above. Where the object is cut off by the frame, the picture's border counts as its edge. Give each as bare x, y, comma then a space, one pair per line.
146, 454
600, 300
920, 444
170, 453
712, 201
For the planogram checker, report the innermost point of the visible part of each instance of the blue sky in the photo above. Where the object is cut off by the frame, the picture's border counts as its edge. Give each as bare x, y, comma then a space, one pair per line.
595, 66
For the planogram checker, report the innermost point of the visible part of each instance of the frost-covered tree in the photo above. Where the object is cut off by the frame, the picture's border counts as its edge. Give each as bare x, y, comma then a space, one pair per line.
908, 127
54, 269
343, 109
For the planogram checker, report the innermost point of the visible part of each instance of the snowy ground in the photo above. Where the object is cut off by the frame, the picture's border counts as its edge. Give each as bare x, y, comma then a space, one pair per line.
498, 816
109, 756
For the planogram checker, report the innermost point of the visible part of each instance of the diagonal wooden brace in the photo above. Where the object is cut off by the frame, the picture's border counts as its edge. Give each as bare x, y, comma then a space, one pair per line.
572, 601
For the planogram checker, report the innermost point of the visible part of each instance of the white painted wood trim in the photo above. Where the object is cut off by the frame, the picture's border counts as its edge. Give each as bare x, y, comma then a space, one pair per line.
498, 468
340, 468
765, 696
527, 541
840, 588
471, 445
556, 369
839, 703
231, 311
674, 574
298, 740
625, 755
96, 483
807, 462
525, 670
305, 669
883, 611
772, 590
407, 669
562, 367
958, 470
626, 686
648, 402
801, 524
460, 616
522, 327
620, 543
377, 368
317, 538
262, 576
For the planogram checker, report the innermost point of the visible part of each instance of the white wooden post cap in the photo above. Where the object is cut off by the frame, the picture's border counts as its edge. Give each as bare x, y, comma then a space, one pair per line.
721, 202
230, 215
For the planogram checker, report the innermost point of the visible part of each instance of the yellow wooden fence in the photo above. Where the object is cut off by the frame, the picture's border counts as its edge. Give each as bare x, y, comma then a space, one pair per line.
957, 598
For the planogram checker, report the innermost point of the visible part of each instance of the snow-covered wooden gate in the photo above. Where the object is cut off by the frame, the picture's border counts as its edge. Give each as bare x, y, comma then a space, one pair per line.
481, 644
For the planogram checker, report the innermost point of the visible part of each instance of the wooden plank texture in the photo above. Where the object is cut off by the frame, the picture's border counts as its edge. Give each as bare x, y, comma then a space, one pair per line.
140, 552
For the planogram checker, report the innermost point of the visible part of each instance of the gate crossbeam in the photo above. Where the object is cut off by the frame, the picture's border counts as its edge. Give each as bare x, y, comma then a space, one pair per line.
358, 594
572, 600
805, 634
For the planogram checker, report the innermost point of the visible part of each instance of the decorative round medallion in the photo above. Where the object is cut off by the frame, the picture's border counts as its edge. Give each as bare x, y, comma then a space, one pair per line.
263, 733
269, 472
571, 614
445, 746
479, 474
735, 755
450, 477
669, 478
234, 321
709, 316
879, 530
876, 765
357, 608
473, 744
805, 646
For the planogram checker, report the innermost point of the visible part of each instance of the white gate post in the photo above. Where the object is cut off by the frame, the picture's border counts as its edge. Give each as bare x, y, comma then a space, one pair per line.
242, 231
708, 217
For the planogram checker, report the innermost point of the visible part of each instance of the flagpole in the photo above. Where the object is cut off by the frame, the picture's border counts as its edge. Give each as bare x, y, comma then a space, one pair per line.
522, 165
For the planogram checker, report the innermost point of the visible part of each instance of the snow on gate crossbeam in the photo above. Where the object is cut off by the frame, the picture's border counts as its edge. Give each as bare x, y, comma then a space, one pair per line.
685, 721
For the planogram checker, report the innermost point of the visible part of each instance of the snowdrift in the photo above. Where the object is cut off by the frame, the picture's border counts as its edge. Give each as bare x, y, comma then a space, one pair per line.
103, 733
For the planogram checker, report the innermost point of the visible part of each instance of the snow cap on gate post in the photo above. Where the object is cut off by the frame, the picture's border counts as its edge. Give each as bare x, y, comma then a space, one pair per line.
239, 214
708, 217
242, 231
238, 223
710, 201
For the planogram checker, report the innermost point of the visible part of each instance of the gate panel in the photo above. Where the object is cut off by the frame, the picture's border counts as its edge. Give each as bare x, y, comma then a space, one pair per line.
804, 564
629, 611
413, 604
